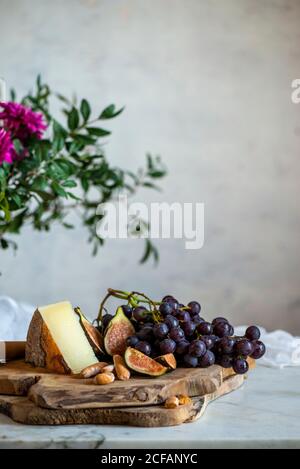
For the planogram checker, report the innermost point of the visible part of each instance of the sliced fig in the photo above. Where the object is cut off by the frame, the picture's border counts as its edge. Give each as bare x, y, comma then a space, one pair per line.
117, 331
92, 334
141, 363
167, 360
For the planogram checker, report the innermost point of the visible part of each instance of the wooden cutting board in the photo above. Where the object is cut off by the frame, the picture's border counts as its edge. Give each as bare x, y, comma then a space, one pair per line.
54, 391
22, 410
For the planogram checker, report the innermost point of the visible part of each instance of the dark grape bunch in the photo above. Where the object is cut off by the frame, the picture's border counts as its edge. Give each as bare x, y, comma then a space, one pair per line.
195, 342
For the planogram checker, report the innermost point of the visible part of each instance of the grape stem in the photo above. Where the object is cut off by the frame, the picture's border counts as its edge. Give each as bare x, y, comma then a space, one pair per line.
133, 298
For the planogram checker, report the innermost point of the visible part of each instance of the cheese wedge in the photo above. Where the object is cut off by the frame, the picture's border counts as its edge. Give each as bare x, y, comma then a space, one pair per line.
56, 341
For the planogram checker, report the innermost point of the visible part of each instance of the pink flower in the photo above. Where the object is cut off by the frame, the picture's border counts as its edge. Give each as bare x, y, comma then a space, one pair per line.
7, 151
21, 121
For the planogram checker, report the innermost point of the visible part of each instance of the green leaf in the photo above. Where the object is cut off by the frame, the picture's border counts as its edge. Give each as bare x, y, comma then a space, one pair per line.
39, 184
85, 110
98, 132
150, 250
73, 119
69, 183
17, 199
58, 189
150, 185
84, 139
85, 183
110, 111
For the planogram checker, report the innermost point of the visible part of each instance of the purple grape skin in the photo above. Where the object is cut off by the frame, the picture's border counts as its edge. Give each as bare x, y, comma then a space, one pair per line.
205, 328
219, 319
197, 320
160, 330
182, 347
190, 361
145, 333
231, 330
252, 333
208, 359
176, 334
259, 349
144, 347
167, 298
214, 338
132, 341
240, 366
106, 320
171, 321
189, 328
165, 308
197, 348
221, 329
183, 315
243, 347
174, 304
195, 307
127, 310
225, 345
140, 313
209, 342
225, 361
167, 346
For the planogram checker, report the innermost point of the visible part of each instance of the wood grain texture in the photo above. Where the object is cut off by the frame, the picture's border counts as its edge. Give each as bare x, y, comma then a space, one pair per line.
56, 391
22, 410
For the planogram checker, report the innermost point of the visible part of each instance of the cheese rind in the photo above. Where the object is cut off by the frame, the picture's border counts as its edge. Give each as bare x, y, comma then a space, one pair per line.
56, 340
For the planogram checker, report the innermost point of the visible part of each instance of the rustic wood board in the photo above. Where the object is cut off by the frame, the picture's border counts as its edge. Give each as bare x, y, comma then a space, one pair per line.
22, 410
54, 391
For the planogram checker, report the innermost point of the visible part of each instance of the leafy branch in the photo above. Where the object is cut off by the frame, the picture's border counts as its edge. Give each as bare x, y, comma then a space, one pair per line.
65, 171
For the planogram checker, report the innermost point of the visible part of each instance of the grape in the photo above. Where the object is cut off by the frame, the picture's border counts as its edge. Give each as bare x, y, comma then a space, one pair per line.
225, 345
127, 310
171, 321
195, 307
243, 347
207, 339
167, 298
221, 329
167, 346
144, 347
180, 305
214, 338
165, 308
176, 334
231, 330
173, 303
160, 330
197, 320
252, 333
189, 328
183, 315
220, 319
140, 313
208, 359
106, 320
240, 366
182, 347
132, 341
225, 361
204, 328
145, 333
259, 349
190, 361
197, 348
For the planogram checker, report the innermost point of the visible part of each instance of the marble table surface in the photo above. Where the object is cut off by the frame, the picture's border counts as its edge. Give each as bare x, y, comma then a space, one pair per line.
264, 413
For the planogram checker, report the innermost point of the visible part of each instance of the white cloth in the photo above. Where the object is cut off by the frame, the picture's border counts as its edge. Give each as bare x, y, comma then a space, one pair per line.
14, 319
282, 348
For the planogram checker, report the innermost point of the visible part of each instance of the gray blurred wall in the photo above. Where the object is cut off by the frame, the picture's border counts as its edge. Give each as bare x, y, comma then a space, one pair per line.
206, 84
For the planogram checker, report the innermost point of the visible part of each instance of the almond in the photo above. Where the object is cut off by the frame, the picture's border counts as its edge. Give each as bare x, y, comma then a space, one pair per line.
104, 378
121, 369
172, 402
